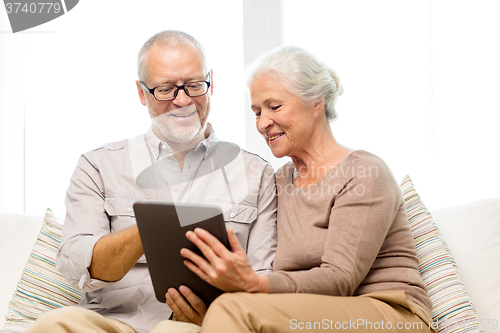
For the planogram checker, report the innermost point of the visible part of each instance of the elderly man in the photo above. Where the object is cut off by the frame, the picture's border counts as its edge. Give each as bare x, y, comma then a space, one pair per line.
178, 160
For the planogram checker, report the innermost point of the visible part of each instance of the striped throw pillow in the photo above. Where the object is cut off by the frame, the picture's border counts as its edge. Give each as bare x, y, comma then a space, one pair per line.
452, 310
41, 287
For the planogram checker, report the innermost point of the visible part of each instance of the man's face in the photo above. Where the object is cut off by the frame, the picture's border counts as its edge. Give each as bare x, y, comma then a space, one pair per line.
184, 118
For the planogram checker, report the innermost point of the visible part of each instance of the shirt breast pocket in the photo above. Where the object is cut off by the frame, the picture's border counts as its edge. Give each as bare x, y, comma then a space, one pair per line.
121, 214
240, 218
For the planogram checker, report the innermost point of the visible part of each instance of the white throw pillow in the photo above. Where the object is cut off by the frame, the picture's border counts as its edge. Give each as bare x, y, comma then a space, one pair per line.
473, 232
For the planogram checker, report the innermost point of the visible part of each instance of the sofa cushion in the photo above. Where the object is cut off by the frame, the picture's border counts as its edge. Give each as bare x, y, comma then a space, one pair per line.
41, 287
452, 310
473, 232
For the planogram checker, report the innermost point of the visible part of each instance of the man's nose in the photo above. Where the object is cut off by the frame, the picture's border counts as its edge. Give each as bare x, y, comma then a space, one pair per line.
182, 99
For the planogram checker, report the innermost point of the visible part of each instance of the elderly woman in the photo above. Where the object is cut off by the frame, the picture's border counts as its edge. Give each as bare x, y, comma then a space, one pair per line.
346, 257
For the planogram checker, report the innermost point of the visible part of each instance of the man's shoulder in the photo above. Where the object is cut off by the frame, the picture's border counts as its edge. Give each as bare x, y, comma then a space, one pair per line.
229, 151
112, 152
115, 146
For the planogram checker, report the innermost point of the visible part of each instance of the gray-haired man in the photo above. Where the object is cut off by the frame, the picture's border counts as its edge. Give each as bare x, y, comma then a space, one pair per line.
178, 160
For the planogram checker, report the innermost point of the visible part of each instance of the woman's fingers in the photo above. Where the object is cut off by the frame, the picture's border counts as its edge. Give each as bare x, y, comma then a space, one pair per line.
198, 238
222, 268
196, 270
234, 242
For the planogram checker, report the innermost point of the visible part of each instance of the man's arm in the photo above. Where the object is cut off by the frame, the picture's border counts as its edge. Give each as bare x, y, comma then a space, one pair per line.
90, 256
115, 254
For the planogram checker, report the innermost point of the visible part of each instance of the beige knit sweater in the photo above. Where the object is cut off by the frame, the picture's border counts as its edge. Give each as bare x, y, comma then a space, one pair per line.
347, 235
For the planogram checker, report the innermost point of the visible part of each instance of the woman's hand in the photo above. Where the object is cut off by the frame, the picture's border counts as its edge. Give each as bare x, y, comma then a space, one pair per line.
191, 311
226, 270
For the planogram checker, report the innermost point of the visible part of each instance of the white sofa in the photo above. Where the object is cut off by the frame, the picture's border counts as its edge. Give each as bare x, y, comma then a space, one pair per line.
472, 232
17, 236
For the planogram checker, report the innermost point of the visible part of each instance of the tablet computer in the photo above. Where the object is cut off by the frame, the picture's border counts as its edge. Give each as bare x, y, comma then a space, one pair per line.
162, 228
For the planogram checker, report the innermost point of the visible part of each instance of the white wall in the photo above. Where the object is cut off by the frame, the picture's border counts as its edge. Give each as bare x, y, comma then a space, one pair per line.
79, 75
420, 79
11, 119
421, 86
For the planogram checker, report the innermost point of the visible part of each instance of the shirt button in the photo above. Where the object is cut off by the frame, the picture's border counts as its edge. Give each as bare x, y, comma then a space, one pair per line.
129, 209
163, 146
175, 169
232, 215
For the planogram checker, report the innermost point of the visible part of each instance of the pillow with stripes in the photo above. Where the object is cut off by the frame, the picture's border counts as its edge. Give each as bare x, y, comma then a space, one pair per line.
452, 310
41, 287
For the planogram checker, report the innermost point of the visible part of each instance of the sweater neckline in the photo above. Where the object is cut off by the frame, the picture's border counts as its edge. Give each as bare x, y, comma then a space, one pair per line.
335, 167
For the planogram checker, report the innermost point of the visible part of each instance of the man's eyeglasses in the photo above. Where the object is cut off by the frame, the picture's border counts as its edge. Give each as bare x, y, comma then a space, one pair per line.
169, 92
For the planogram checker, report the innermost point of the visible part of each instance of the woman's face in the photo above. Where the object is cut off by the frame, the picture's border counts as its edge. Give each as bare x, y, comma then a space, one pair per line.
284, 121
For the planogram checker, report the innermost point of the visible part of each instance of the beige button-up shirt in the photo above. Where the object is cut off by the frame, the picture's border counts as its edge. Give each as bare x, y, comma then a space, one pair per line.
108, 180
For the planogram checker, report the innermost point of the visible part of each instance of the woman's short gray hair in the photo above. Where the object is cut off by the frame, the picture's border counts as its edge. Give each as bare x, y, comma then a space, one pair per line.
167, 38
304, 74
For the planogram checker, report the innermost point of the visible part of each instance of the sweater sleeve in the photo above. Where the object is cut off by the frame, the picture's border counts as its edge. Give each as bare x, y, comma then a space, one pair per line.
361, 214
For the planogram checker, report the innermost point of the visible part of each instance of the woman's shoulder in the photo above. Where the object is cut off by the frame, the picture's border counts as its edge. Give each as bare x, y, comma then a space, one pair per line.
363, 159
365, 166
284, 173
369, 168
361, 156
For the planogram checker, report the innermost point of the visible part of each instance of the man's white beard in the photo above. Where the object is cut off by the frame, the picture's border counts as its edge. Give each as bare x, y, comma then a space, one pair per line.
177, 134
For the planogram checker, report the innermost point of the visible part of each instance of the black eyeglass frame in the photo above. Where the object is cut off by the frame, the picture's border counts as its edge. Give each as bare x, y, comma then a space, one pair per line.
183, 87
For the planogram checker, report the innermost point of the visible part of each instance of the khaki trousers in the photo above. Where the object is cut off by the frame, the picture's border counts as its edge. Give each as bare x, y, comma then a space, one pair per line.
75, 319
387, 311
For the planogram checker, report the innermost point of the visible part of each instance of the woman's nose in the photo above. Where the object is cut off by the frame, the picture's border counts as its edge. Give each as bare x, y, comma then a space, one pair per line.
264, 122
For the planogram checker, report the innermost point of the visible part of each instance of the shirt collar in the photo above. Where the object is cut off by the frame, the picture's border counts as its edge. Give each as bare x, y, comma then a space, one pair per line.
158, 147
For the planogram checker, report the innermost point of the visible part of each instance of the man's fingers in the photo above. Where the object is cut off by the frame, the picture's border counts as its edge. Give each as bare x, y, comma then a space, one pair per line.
181, 308
197, 304
174, 307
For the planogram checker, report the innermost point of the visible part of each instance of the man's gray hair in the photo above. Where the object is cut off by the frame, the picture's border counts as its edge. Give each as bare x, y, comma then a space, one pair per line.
304, 75
167, 38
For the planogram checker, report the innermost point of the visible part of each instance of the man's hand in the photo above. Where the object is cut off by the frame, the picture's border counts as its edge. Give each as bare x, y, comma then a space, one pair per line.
192, 311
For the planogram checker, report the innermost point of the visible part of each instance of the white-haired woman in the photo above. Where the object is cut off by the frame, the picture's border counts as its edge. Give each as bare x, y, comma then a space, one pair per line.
345, 257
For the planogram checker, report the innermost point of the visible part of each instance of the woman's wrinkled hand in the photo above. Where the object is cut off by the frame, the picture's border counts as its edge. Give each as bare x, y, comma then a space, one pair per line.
224, 269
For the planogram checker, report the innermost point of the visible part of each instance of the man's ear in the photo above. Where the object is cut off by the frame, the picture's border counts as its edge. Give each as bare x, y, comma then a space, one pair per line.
211, 82
141, 92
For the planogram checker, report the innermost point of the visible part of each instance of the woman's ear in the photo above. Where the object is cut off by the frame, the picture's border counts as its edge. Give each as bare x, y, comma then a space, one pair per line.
319, 107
